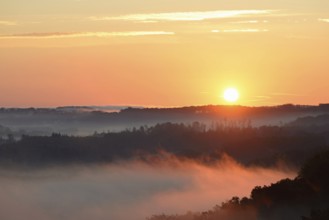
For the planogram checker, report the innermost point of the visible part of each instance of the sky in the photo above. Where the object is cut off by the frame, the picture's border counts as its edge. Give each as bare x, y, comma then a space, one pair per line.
163, 52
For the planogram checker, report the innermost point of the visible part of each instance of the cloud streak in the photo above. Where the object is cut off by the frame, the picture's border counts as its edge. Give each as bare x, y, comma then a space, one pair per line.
8, 23
250, 22
285, 94
240, 31
57, 35
324, 20
184, 16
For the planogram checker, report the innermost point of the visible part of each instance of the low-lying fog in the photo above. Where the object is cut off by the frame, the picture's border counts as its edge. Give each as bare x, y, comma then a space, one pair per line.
126, 191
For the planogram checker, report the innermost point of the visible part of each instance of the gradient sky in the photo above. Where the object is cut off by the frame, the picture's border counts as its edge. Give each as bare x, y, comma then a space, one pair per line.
163, 52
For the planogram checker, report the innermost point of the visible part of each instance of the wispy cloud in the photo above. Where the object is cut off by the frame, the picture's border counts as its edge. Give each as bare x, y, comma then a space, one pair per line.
285, 94
8, 23
324, 20
303, 37
83, 34
184, 16
258, 98
240, 31
263, 97
249, 22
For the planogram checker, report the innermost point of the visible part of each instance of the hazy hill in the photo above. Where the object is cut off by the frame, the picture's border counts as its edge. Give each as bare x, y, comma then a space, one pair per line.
86, 120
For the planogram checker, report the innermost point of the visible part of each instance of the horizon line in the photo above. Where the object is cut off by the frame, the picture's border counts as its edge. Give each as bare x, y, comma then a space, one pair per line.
120, 107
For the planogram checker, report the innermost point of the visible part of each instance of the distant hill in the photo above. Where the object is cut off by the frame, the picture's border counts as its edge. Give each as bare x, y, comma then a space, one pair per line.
85, 120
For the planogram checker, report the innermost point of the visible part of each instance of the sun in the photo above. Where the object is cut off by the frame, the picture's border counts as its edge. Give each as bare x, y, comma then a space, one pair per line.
231, 95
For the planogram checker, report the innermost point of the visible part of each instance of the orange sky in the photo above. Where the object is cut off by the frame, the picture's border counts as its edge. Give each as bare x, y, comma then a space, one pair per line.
163, 53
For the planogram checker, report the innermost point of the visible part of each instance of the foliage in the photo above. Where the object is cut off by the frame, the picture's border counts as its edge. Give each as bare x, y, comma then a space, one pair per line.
264, 146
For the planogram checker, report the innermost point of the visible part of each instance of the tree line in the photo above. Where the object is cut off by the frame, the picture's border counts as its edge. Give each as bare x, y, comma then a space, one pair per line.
264, 145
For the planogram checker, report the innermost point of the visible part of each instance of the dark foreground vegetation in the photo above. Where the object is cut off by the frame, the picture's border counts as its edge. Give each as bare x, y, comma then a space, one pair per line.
266, 146
304, 198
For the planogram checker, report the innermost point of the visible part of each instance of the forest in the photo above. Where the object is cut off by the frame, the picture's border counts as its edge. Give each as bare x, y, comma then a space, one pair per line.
290, 144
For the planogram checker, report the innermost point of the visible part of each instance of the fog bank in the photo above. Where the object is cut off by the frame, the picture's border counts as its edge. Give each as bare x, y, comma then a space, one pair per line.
128, 190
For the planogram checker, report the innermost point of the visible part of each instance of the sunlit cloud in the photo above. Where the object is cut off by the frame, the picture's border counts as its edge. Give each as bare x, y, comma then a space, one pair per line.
249, 22
303, 37
285, 94
245, 30
84, 34
184, 16
324, 20
258, 98
240, 31
8, 23
263, 97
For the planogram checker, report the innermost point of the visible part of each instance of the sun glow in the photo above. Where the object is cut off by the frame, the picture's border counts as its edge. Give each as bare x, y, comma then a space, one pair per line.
231, 95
